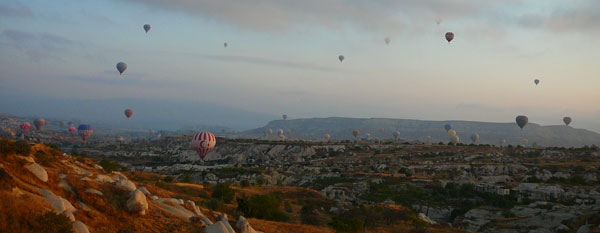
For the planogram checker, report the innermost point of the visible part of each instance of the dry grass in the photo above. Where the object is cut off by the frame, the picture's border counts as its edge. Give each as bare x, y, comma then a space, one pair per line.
281, 227
19, 213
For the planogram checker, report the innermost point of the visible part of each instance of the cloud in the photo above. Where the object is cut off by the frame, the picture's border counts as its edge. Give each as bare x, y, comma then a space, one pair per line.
275, 15
16, 11
37, 47
582, 18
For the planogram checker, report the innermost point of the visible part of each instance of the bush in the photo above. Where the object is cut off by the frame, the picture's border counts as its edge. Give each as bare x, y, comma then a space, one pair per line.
53, 223
308, 215
23, 147
261, 207
43, 158
350, 225
245, 183
224, 192
20, 147
109, 166
288, 207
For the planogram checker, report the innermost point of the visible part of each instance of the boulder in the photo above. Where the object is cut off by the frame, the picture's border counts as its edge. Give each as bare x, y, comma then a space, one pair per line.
38, 171
94, 191
424, 217
79, 227
154, 197
59, 204
244, 226
104, 179
137, 202
225, 222
144, 190
218, 227
126, 185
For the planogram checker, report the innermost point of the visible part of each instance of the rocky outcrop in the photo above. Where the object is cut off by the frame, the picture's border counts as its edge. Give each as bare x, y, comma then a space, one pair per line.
38, 171
94, 191
137, 202
79, 227
126, 184
244, 226
218, 227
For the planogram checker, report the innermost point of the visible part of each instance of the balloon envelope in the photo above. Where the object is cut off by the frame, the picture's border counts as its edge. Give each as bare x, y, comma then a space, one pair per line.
341, 57
72, 130
475, 137
147, 28
25, 126
522, 121
84, 131
567, 120
284, 116
396, 134
225, 45
39, 123
128, 113
121, 67
451, 133
387, 40
449, 36
356, 132
454, 139
203, 143
537, 81
447, 127
327, 137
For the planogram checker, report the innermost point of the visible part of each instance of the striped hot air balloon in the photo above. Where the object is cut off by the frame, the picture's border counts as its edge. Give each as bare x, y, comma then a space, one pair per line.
84, 131
203, 143
25, 126
39, 123
72, 130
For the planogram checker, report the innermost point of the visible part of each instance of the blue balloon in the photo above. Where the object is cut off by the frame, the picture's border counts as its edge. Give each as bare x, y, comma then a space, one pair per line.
447, 127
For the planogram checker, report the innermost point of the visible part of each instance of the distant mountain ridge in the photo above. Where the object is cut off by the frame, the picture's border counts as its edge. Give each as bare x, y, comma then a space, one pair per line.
340, 128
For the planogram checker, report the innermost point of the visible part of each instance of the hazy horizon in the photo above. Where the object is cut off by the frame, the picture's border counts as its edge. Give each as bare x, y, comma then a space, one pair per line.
282, 58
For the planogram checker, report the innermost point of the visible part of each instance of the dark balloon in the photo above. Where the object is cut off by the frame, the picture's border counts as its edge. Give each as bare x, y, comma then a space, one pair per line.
522, 121
567, 120
84, 131
449, 36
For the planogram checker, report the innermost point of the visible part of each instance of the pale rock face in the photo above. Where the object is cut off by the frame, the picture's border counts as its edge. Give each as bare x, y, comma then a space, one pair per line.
172, 206
94, 191
104, 179
154, 197
79, 227
38, 171
126, 185
244, 226
218, 227
137, 202
59, 204
424, 217
225, 222
144, 190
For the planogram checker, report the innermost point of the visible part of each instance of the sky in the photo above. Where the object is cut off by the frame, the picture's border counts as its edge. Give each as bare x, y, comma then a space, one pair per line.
283, 56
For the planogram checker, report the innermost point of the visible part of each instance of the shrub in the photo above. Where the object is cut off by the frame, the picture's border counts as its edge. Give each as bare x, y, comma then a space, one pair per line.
245, 183
349, 225
43, 158
53, 223
308, 215
288, 207
224, 192
109, 166
23, 147
261, 207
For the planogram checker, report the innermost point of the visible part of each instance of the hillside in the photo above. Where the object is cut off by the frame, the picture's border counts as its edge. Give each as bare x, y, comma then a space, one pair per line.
382, 128
45, 190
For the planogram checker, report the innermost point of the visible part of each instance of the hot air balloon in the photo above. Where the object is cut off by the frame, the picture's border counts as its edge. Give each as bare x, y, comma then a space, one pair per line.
39, 123
567, 120
475, 137
341, 57
269, 132
280, 132
147, 28
25, 126
62, 123
72, 130
396, 134
537, 81
449, 36
451, 133
128, 113
84, 131
522, 121
524, 141
225, 45
157, 135
369, 135
447, 127
121, 139
327, 137
454, 139
387, 40
121, 67
502, 142
203, 143
284, 116
356, 132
